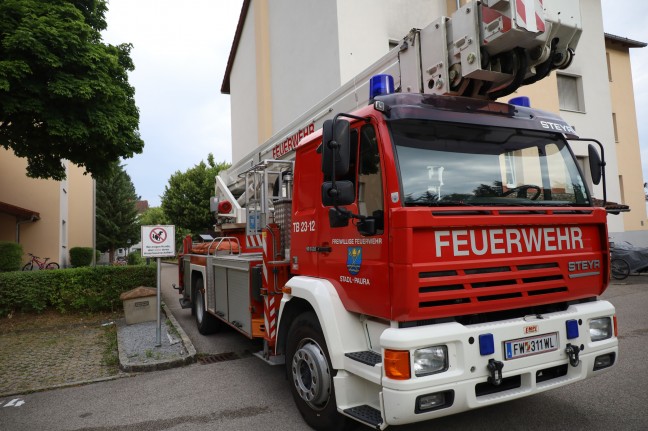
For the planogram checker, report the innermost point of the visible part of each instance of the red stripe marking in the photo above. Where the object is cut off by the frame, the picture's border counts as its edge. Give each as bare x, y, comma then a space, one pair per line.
540, 23
489, 15
521, 10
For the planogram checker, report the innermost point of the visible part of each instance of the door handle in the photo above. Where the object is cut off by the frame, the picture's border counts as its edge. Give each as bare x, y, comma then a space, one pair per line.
319, 249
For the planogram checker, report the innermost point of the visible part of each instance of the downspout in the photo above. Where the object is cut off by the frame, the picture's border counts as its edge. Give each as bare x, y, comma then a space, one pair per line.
18, 223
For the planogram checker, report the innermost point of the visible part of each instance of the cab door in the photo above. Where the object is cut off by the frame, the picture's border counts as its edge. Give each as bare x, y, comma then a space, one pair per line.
358, 264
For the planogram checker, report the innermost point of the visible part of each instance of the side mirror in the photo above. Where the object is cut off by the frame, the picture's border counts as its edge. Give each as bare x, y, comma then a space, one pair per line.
595, 164
342, 194
336, 148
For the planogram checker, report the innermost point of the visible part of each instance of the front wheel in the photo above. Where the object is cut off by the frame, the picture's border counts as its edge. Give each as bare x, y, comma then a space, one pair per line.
28, 266
620, 269
52, 265
311, 375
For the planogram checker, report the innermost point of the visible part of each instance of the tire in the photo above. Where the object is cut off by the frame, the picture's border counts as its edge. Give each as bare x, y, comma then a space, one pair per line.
205, 322
52, 265
620, 269
310, 373
28, 266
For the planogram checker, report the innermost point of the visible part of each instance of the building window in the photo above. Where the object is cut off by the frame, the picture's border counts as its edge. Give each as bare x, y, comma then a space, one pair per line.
614, 123
393, 43
570, 93
607, 58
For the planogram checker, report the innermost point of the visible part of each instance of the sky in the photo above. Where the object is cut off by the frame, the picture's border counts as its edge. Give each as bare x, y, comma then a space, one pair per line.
180, 51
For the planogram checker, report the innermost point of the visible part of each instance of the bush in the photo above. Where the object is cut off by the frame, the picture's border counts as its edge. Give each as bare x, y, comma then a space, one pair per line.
134, 259
10, 256
81, 256
86, 289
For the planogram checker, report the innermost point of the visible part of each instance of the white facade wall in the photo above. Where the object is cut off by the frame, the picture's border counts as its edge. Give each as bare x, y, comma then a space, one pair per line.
403, 15
362, 36
243, 84
315, 47
304, 56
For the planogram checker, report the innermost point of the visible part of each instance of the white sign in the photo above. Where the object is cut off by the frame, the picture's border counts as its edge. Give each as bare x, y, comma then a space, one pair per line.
158, 241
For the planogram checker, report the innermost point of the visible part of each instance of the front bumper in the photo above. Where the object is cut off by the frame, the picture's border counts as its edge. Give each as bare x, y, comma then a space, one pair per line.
467, 376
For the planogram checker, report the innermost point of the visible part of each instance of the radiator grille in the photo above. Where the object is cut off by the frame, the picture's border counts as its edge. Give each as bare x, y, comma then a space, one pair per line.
464, 287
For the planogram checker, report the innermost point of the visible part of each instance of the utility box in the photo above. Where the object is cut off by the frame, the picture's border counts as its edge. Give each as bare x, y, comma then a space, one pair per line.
140, 305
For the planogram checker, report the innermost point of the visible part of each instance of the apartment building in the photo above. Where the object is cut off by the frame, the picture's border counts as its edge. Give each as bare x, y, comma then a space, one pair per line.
46, 217
626, 137
287, 55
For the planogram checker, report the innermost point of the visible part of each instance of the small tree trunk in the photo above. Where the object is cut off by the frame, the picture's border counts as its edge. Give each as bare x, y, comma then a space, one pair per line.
111, 255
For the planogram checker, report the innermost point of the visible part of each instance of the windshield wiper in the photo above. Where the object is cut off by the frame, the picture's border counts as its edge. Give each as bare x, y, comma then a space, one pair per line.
439, 204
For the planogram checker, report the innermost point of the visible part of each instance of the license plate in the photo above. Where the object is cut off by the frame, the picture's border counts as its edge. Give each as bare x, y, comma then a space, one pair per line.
531, 346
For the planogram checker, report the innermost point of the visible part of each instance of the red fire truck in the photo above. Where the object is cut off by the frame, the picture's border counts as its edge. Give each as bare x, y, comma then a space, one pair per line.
424, 254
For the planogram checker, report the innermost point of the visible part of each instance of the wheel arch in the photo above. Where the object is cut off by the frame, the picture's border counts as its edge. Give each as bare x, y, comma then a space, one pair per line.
196, 273
343, 331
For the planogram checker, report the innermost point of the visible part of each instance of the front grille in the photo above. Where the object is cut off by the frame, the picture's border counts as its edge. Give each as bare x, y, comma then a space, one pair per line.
478, 285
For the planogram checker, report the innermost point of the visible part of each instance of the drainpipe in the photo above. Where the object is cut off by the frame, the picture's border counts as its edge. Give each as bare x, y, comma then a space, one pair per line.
18, 223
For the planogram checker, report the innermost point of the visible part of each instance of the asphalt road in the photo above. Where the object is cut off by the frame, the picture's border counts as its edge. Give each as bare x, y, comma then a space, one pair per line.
247, 394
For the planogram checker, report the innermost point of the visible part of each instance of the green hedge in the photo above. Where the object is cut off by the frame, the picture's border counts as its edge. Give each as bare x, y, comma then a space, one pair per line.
10, 256
134, 259
80, 256
85, 289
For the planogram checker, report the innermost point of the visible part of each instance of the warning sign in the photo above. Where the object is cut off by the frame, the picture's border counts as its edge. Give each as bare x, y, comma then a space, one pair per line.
158, 241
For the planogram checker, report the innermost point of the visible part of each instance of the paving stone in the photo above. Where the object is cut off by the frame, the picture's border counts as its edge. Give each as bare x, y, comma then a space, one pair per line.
50, 350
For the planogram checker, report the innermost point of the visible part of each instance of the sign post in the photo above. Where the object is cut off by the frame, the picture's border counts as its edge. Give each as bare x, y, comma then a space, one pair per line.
159, 242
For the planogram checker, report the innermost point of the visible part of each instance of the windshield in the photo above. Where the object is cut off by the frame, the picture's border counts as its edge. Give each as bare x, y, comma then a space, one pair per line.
449, 164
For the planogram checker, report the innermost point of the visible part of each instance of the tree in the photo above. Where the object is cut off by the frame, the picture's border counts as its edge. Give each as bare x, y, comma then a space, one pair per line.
64, 94
116, 211
186, 198
153, 216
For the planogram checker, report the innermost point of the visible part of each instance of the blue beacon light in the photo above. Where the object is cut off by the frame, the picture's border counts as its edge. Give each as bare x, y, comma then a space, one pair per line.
380, 85
521, 101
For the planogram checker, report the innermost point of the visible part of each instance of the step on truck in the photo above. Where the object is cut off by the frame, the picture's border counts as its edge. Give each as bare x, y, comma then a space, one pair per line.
409, 248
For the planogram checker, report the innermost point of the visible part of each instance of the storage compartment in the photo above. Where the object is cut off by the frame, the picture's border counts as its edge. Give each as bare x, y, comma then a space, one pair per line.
230, 295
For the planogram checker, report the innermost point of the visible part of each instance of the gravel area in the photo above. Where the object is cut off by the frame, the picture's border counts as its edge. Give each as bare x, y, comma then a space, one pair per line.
138, 350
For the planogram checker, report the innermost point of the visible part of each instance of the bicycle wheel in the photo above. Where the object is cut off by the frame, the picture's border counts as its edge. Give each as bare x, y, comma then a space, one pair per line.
52, 265
28, 266
620, 269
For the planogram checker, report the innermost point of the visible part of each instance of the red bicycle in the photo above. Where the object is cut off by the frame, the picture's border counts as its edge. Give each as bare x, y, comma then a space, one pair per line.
42, 264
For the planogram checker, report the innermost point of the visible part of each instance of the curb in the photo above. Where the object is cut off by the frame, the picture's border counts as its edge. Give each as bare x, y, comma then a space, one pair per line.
66, 385
163, 364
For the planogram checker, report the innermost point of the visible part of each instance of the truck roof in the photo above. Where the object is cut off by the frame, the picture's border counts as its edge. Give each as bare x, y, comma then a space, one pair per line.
464, 110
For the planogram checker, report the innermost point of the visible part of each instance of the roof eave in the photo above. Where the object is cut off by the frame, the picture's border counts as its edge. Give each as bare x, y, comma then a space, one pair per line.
225, 86
628, 43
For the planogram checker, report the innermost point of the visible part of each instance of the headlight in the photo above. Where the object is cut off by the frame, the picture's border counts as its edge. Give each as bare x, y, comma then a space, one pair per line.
430, 360
600, 329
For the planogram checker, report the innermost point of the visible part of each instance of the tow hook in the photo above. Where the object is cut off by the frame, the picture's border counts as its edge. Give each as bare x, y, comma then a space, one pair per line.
495, 369
573, 351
